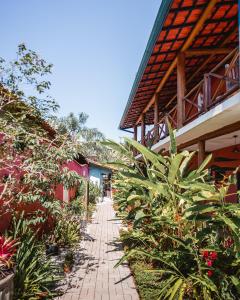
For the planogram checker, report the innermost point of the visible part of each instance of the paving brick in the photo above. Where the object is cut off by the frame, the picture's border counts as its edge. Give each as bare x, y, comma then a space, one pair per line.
96, 278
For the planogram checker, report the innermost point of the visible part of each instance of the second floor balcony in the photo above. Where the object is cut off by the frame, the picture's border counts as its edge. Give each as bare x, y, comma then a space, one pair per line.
221, 83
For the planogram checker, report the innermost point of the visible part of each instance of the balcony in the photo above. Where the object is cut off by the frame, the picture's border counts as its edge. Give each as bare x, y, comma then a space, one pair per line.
215, 87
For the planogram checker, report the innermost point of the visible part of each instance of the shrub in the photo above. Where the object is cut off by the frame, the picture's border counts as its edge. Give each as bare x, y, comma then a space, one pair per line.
67, 230
180, 223
76, 206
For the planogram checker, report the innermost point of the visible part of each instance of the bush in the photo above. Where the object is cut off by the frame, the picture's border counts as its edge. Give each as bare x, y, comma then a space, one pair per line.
76, 206
179, 223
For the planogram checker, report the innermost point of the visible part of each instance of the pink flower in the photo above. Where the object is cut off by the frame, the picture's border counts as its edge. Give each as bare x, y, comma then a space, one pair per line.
209, 263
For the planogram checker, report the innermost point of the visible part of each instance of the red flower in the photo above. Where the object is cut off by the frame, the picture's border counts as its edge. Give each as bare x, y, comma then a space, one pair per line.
213, 255
209, 263
205, 254
7, 249
210, 273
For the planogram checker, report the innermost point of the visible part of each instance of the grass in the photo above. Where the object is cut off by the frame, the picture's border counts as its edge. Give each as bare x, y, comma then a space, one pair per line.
148, 283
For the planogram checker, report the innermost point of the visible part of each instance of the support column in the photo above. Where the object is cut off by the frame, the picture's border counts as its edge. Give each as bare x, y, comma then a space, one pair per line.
135, 129
87, 197
201, 152
143, 129
181, 87
156, 116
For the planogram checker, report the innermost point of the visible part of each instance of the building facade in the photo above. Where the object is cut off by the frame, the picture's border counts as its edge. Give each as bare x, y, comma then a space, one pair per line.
189, 77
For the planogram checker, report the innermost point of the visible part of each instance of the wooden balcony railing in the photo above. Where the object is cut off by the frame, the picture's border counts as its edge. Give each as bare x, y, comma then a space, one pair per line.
216, 87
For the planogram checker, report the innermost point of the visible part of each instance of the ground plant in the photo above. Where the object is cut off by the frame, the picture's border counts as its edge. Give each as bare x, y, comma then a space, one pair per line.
35, 275
179, 222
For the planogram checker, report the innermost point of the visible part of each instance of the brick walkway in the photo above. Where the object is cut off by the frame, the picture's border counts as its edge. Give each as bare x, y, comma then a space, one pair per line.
95, 277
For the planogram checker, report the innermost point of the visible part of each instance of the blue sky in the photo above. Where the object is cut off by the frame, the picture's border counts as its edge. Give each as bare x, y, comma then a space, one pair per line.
95, 45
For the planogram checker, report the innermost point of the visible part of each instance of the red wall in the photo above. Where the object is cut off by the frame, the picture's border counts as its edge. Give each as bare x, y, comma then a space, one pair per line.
228, 153
5, 220
81, 170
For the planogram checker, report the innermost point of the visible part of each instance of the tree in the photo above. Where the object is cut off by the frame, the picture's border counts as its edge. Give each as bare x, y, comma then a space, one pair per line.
26, 77
90, 139
32, 154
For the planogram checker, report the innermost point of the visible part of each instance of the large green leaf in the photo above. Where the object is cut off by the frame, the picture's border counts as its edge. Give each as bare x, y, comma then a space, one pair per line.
156, 159
174, 167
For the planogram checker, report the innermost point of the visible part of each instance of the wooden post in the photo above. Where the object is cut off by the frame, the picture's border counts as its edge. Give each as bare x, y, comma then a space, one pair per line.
206, 92
181, 87
135, 135
87, 197
143, 129
156, 114
201, 152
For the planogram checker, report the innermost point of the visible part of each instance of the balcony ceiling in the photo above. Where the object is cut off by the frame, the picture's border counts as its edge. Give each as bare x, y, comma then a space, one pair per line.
175, 21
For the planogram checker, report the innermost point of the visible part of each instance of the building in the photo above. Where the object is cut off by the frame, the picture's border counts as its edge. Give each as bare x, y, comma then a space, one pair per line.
189, 75
100, 175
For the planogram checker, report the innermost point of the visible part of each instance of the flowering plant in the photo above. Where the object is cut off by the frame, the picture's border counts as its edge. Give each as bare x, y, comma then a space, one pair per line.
7, 250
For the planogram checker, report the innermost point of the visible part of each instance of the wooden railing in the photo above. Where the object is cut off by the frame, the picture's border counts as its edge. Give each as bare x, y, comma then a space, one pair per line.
160, 131
213, 89
216, 86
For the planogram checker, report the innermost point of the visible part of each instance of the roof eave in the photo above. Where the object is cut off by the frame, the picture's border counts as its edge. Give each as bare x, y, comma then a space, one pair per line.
157, 27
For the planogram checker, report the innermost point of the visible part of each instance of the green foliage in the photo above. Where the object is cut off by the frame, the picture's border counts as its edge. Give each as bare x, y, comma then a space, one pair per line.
90, 139
179, 222
35, 276
67, 230
76, 206
29, 72
94, 192
148, 282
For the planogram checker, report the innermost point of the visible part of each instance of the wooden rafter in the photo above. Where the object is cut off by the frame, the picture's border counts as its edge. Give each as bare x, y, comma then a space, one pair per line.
186, 45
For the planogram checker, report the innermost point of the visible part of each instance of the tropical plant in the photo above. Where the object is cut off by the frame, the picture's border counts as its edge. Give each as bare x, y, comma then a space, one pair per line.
67, 230
35, 275
7, 250
179, 222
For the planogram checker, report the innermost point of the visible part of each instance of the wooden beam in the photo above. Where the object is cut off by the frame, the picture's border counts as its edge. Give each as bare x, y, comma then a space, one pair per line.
198, 52
135, 128
143, 128
211, 135
194, 32
205, 63
156, 114
181, 87
201, 151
